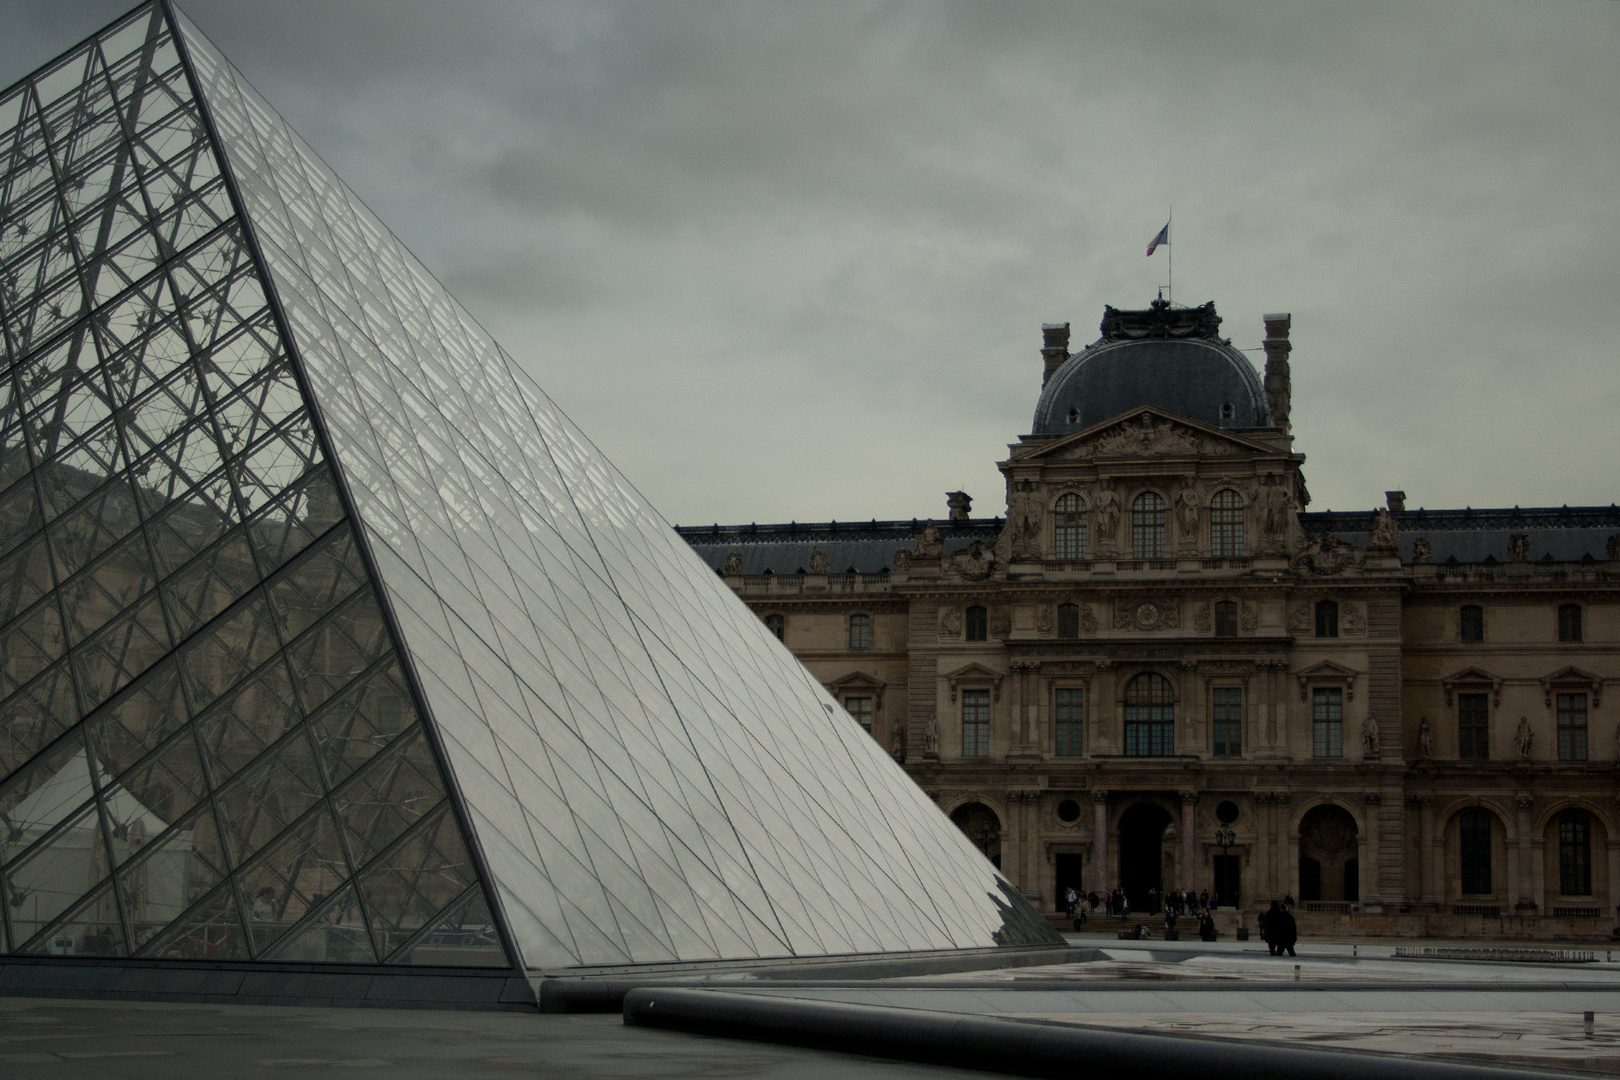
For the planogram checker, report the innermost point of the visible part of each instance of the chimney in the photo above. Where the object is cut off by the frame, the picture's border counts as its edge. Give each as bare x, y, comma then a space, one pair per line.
1279, 388
1056, 349
1395, 500
960, 503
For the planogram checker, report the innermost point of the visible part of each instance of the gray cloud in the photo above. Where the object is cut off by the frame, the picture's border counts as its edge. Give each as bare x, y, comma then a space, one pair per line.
789, 261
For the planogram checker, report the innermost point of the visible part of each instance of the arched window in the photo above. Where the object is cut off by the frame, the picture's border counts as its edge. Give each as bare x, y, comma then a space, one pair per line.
777, 624
1147, 526
1471, 624
1575, 853
1150, 716
1068, 620
860, 631
978, 624
1569, 622
1226, 618
1226, 524
1069, 528
1474, 832
1327, 618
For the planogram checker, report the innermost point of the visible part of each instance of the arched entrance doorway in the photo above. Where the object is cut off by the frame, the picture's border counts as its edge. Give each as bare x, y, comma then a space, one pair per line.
1141, 847
1328, 866
981, 825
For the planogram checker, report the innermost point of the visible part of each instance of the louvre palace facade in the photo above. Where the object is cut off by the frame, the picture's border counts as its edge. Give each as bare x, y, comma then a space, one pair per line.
1158, 670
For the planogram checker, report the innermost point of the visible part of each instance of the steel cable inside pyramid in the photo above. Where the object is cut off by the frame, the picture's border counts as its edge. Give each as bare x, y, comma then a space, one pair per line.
325, 636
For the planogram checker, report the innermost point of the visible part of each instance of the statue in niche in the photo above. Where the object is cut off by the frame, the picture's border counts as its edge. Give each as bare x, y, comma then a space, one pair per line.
1274, 507
1384, 535
1524, 738
1369, 738
1187, 512
897, 743
931, 737
1422, 551
928, 544
1107, 508
818, 561
1425, 739
734, 563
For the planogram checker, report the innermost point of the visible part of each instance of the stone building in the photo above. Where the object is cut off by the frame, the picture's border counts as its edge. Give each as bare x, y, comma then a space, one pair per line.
1157, 670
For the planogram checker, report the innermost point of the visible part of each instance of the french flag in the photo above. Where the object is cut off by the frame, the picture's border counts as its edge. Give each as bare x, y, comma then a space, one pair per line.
1162, 238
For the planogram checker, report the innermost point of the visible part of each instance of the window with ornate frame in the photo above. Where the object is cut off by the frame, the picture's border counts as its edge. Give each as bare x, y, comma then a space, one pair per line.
1226, 524
1471, 624
1147, 526
978, 623
777, 624
1327, 618
1069, 528
1569, 622
1068, 620
1575, 853
1327, 721
975, 723
1474, 727
1226, 618
1474, 836
1069, 716
860, 631
1150, 716
1571, 727
1227, 714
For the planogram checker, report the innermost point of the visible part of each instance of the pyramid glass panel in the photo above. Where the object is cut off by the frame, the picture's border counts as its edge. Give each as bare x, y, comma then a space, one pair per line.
325, 636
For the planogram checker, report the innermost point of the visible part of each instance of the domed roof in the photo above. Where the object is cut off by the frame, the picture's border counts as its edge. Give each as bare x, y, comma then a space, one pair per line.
1172, 358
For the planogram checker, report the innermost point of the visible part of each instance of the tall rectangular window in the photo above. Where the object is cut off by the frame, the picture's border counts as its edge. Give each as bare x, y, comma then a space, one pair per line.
1571, 727
861, 709
1226, 618
1150, 716
1471, 624
1069, 528
1574, 853
1228, 720
978, 623
1327, 721
1327, 618
1068, 620
1473, 727
1147, 526
1474, 829
975, 723
1226, 524
860, 631
1569, 622
1069, 707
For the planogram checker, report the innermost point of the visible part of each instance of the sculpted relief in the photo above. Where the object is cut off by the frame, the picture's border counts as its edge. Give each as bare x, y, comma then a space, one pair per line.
1150, 436
975, 562
1324, 553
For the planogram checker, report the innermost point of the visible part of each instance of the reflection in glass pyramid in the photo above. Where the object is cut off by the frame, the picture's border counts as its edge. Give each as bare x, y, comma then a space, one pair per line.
325, 636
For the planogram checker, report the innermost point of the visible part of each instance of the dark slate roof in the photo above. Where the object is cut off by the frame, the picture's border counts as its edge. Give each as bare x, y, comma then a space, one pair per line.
1168, 357
865, 547
1567, 533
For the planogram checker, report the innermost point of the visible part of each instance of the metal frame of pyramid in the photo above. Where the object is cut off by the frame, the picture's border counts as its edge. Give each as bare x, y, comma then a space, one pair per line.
326, 637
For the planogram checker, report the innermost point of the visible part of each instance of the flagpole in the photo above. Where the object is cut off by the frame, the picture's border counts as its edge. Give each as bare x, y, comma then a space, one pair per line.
1172, 256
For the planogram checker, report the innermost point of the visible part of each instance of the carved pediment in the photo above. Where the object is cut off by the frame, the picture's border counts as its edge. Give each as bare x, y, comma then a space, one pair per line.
1572, 678
858, 682
1327, 672
1471, 677
972, 674
1148, 433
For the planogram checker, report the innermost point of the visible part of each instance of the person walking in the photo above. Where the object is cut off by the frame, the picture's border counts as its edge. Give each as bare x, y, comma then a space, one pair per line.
1286, 932
1270, 920
1071, 900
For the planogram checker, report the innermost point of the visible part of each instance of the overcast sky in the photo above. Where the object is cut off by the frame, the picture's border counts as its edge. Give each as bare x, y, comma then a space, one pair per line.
790, 261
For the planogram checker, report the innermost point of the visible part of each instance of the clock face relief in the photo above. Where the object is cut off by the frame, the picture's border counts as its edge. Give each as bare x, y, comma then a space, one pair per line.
1147, 616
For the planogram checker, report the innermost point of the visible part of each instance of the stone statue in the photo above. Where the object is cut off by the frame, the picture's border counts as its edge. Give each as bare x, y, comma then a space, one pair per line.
1519, 547
1187, 511
734, 563
1369, 738
1524, 737
1425, 738
1422, 551
929, 544
818, 561
902, 560
931, 737
897, 743
1107, 508
1384, 535
1274, 507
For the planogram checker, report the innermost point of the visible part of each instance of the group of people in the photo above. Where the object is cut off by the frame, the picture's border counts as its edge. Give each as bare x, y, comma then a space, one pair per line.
1278, 929
1277, 926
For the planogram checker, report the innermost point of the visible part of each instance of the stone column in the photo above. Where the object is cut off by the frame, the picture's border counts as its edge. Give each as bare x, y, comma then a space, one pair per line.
1106, 737
1192, 708
1284, 694
1285, 827
1261, 887
1425, 846
1538, 871
1099, 840
1528, 873
1371, 888
1189, 841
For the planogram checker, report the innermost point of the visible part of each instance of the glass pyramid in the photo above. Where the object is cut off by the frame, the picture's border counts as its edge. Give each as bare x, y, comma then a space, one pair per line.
325, 636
